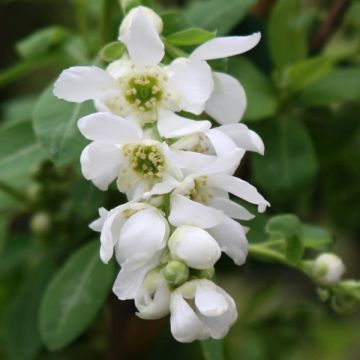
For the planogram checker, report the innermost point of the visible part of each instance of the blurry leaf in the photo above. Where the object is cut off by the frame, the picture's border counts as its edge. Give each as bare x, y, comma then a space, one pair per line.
290, 160
306, 72
261, 95
216, 14
316, 237
3, 233
127, 5
55, 126
288, 227
350, 288
18, 109
339, 85
19, 152
22, 336
190, 36
213, 349
74, 297
174, 21
112, 51
41, 41
287, 35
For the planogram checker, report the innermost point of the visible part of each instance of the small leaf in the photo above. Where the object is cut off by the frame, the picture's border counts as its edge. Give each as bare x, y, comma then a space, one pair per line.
41, 41
191, 36
216, 14
213, 349
112, 51
74, 297
258, 89
339, 85
287, 34
55, 126
288, 227
306, 72
316, 237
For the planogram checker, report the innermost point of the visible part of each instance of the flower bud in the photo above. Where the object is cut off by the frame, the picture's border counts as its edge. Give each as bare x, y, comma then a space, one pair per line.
150, 14
40, 223
328, 269
176, 272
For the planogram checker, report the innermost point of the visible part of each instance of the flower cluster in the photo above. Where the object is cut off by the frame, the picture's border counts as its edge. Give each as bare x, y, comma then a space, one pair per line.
176, 172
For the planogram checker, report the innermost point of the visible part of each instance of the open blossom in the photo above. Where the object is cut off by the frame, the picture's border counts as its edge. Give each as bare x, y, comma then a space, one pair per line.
121, 150
138, 84
200, 309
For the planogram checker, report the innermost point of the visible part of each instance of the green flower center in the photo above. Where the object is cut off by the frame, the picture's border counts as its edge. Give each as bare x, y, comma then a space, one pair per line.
199, 192
144, 92
146, 160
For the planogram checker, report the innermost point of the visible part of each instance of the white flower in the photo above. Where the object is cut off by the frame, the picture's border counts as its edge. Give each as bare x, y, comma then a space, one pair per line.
153, 297
138, 233
227, 103
139, 85
150, 15
328, 269
193, 245
120, 149
200, 309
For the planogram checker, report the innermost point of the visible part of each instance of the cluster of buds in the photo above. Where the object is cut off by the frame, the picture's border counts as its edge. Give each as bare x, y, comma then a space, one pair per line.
177, 173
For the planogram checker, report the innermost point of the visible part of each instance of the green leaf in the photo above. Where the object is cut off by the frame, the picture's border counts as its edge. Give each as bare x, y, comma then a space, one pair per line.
339, 85
127, 5
258, 89
22, 336
290, 159
287, 34
3, 233
288, 227
112, 51
316, 237
74, 297
213, 349
191, 36
306, 72
19, 151
41, 41
216, 14
55, 126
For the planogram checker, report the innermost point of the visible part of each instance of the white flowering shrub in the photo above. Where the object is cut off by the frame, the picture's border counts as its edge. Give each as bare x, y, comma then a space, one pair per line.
155, 119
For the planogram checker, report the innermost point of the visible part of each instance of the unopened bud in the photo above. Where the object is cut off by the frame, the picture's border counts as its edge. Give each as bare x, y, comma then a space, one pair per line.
40, 223
150, 14
176, 272
328, 269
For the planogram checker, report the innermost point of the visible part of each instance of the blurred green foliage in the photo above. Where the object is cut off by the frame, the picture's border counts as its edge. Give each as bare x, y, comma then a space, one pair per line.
303, 100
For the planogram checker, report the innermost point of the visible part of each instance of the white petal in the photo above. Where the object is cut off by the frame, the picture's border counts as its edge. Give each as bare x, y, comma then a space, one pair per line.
185, 325
143, 42
187, 212
168, 184
240, 188
208, 300
100, 163
231, 208
195, 247
227, 103
222, 144
128, 283
243, 137
108, 128
80, 83
153, 306
222, 47
98, 224
171, 125
223, 164
194, 83
142, 236
220, 325
232, 239
195, 161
